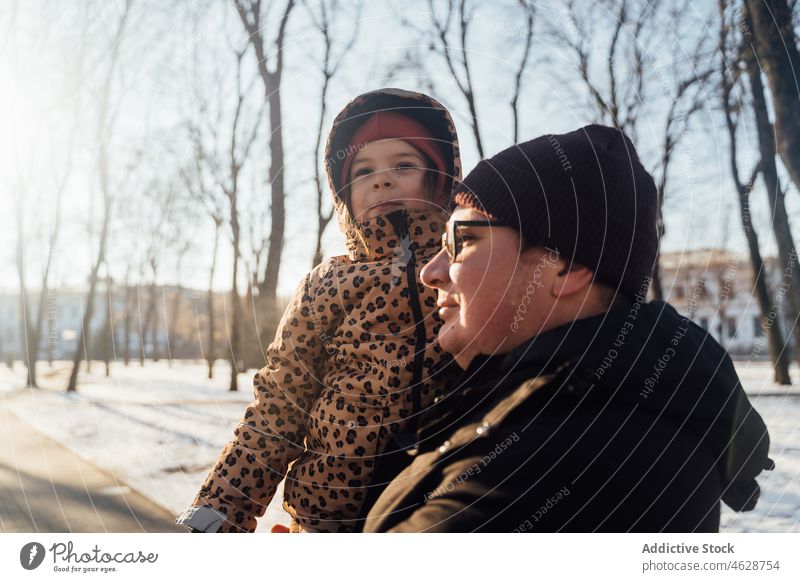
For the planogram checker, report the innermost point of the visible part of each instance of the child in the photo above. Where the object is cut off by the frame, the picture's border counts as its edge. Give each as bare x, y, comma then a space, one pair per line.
354, 361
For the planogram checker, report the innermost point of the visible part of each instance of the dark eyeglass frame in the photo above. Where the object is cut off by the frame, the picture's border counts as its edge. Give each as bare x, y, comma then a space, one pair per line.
451, 241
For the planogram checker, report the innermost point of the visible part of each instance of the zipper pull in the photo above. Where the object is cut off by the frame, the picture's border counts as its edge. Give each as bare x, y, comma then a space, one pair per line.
403, 256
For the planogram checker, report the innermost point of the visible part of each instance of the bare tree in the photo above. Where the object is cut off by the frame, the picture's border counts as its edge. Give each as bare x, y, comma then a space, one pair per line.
329, 65
615, 86
184, 246
270, 55
107, 339
455, 22
156, 230
211, 350
106, 120
529, 10
621, 87
128, 316
731, 72
53, 243
144, 324
201, 179
445, 32
198, 189
32, 321
231, 189
29, 349
151, 318
686, 92
140, 214
75, 73
259, 244
769, 170
223, 159
776, 43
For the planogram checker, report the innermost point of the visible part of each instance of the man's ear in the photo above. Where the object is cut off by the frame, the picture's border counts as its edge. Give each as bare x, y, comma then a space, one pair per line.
571, 280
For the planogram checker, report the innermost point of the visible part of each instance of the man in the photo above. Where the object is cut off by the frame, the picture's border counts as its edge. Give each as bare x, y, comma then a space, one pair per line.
582, 407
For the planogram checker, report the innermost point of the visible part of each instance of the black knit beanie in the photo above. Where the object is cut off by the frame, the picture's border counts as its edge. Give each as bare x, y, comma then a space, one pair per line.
583, 193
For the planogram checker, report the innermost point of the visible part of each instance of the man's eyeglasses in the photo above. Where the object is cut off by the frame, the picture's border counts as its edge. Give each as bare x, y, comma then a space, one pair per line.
452, 238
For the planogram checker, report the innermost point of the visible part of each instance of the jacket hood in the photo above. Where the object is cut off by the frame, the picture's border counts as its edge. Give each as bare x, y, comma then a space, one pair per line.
649, 356
419, 106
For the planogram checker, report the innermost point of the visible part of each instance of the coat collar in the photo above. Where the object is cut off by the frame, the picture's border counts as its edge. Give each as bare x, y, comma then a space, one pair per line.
497, 383
397, 233
543, 353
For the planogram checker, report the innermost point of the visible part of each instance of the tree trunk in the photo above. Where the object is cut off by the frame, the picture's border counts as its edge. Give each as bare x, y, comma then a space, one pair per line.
210, 357
779, 56
771, 324
269, 285
656, 288
44, 307
127, 323
143, 329
52, 329
779, 355
777, 346
107, 348
154, 353
666, 157
103, 167
235, 304
27, 348
780, 220
84, 337
322, 219
172, 334
316, 259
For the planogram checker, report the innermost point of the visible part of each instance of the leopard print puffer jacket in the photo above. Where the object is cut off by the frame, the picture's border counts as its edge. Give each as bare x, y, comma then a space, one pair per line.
354, 362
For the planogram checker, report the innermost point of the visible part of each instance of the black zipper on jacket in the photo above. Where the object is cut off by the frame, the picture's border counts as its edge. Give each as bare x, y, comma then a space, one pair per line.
422, 340
400, 222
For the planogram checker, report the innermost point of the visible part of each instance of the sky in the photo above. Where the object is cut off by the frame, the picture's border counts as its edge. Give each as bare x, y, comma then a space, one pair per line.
169, 56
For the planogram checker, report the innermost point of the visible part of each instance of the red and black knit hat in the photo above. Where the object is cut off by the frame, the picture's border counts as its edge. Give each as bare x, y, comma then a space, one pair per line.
584, 193
383, 125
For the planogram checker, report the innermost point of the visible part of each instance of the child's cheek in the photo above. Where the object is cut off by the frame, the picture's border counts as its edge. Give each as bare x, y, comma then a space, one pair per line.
356, 201
412, 186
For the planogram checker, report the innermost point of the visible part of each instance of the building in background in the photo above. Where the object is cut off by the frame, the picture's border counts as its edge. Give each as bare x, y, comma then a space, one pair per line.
161, 332
715, 287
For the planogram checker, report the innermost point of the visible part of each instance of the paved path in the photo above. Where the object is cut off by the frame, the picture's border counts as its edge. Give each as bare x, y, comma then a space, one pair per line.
45, 487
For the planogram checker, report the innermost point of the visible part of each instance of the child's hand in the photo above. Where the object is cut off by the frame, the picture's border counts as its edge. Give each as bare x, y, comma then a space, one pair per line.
278, 528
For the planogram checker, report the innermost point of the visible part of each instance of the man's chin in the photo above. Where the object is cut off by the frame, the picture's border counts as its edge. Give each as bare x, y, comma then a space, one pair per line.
451, 341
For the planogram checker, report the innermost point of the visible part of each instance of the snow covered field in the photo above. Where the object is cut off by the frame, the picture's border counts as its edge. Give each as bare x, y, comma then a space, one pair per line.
778, 509
159, 429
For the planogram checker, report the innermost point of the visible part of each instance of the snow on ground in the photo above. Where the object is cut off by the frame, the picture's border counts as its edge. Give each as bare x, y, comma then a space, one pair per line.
159, 428
778, 509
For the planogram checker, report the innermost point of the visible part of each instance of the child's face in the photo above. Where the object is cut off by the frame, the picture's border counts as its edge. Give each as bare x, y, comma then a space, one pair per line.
385, 176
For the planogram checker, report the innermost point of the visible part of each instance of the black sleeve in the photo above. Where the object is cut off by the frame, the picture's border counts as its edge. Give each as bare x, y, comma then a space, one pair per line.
495, 490
615, 471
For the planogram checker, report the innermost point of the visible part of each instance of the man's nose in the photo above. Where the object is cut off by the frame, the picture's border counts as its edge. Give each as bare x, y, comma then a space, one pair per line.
436, 274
